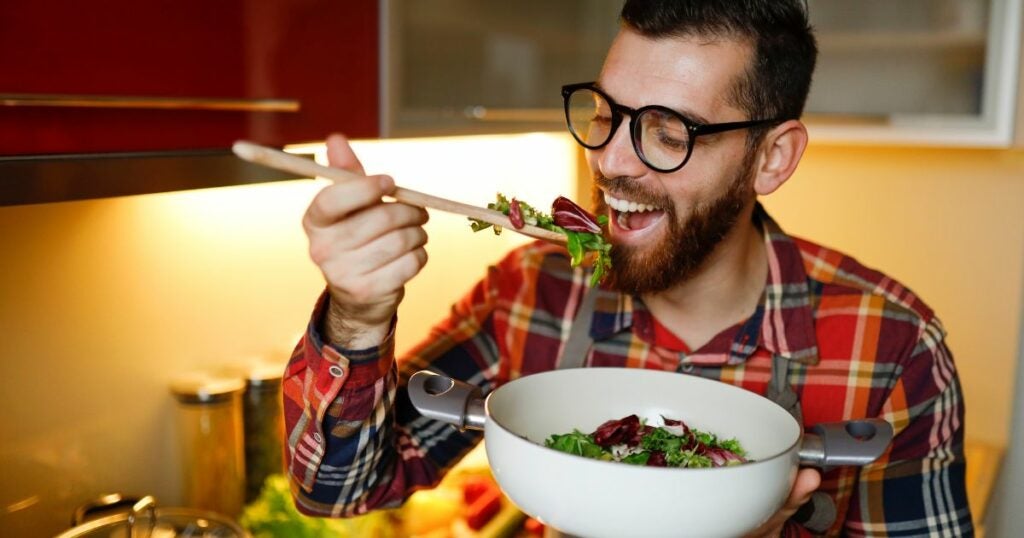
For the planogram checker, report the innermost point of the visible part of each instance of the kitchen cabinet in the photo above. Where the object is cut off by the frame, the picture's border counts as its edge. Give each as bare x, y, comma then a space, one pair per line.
93, 94
934, 72
466, 67
123, 76
908, 72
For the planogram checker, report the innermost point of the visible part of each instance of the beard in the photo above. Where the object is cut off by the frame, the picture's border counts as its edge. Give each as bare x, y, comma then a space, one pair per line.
687, 244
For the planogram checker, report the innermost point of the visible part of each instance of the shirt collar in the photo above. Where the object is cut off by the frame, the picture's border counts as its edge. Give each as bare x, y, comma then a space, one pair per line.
785, 315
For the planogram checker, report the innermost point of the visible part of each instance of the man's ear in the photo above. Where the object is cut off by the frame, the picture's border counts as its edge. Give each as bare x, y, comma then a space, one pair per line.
781, 151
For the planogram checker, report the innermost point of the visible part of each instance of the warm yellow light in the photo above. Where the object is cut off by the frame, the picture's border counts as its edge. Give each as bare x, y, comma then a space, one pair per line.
535, 167
214, 234
256, 213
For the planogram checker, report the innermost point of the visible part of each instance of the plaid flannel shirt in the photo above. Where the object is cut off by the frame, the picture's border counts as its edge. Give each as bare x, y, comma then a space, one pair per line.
861, 345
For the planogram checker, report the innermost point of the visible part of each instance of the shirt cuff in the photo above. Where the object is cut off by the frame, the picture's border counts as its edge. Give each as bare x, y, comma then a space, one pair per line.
353, 368
792, 529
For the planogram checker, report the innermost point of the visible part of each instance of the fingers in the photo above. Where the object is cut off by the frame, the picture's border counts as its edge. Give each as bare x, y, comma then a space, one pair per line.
336, 201
369, 224
340, 154
406, 266
382, 281
807, 482
348, 236
383, 250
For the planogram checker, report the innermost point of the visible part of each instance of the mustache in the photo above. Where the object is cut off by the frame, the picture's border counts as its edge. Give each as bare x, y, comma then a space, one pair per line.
631, 188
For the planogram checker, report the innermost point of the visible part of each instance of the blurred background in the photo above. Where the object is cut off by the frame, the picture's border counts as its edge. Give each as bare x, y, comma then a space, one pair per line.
150, 280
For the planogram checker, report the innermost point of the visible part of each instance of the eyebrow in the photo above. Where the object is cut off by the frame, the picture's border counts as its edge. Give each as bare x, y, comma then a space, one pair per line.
689, 115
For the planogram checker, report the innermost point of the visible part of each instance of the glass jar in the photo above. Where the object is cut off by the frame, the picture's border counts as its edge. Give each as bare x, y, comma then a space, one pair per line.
264, 427
210, 428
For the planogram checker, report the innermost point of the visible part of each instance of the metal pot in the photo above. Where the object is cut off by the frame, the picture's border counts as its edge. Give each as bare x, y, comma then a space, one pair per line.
589, 497
140, 518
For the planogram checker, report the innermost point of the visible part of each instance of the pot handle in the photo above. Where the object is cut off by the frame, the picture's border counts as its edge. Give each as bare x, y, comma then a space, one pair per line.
147, 503
116, 501
442, 398
854, 442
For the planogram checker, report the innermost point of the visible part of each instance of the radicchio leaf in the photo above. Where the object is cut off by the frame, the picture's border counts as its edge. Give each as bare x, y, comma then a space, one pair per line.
657, 459
721, 457
515, 214
572, 217
613, 432
674, 422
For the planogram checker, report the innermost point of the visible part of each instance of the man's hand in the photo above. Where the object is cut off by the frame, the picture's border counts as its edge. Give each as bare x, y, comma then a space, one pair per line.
366, 249
807, 481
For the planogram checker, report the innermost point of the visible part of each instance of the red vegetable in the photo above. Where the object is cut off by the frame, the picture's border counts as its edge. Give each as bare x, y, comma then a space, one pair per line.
515, 214
572, 217
533, 526
674, 422
473, 487
721, 456
625, 430
483, 508
657, 459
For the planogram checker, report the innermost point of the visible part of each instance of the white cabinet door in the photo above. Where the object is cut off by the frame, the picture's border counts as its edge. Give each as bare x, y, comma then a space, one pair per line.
942, 72
935, 72
472, 66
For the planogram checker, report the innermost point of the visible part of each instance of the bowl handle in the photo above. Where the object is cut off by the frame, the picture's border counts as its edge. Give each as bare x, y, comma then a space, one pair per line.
854, 442
442, 398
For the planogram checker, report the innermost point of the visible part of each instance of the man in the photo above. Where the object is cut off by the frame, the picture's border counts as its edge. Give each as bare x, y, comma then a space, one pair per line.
694, 114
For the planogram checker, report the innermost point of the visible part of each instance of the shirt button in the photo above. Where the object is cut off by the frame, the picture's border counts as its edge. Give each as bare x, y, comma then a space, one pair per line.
336, 371
318, 438
688, 368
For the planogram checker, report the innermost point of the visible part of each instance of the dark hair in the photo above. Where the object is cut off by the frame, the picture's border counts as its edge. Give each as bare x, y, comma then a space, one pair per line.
784, 50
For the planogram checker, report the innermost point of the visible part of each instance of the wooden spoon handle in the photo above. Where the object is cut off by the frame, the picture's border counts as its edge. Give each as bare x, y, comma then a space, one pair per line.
280, 160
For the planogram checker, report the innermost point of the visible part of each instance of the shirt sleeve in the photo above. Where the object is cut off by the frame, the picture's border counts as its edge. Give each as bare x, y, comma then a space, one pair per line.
354, 441
792, 529
918, 487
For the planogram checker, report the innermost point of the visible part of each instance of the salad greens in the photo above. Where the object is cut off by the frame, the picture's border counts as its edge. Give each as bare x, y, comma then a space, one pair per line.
582, 230
631, 440
273, 514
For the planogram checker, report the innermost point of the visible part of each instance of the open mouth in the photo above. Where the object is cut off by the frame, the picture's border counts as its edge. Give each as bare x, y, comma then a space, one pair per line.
632, 216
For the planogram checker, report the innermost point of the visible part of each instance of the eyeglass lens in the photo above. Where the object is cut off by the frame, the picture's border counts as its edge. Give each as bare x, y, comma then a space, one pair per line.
661, 138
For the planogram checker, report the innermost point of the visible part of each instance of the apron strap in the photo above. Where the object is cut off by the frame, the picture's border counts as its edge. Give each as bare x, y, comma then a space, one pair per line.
577, 347
817, 514
781, 392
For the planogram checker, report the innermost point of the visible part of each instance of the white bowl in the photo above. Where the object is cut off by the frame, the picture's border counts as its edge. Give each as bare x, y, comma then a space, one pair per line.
595, 498
599, 498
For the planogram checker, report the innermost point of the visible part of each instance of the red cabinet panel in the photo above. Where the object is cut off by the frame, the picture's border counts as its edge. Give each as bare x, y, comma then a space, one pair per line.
321, 53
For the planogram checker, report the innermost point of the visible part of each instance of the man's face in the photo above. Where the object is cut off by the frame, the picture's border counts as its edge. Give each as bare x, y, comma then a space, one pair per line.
696, 206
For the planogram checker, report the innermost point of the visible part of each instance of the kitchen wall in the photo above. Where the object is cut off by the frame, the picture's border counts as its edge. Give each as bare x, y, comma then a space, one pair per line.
103, 302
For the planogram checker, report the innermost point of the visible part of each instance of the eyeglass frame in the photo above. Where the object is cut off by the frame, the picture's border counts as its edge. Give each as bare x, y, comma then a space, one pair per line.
693, 128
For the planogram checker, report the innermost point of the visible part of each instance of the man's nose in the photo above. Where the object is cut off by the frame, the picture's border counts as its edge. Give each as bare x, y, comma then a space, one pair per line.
617, 157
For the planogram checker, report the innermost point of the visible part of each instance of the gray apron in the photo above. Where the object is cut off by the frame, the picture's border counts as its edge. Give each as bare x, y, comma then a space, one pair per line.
818, 514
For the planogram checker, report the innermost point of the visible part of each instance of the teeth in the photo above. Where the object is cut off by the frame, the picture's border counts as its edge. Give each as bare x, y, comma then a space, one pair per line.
625, 206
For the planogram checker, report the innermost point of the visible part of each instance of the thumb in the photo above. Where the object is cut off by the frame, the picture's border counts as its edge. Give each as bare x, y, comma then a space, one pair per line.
807, 482
340, 154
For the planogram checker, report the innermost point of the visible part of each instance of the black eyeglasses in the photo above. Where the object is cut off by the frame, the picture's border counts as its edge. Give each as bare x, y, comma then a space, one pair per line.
662, 137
